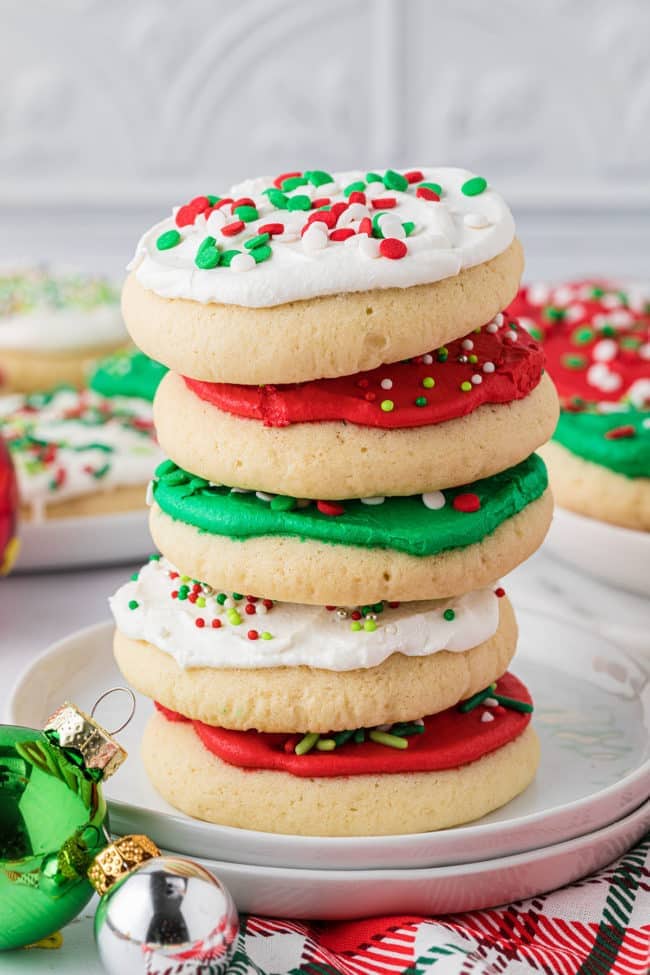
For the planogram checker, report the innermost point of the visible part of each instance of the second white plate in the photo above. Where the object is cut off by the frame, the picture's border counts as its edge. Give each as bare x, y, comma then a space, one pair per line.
592, 715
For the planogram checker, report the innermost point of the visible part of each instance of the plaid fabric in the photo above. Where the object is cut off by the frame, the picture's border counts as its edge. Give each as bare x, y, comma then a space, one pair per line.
597, 926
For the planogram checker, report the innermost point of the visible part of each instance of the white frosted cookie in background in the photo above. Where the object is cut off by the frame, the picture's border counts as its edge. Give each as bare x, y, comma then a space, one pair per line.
317, 274
54, 325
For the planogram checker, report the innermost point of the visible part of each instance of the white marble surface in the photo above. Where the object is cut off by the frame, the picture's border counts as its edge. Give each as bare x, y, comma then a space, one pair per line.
37, 609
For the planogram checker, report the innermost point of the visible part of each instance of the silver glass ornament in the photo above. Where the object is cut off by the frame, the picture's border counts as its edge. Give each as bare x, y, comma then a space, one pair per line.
167, 914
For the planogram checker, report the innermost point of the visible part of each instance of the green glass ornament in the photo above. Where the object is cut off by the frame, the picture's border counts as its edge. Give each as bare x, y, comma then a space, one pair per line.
52, 821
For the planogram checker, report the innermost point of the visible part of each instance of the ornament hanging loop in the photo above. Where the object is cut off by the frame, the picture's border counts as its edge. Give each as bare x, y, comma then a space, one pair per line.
116, 690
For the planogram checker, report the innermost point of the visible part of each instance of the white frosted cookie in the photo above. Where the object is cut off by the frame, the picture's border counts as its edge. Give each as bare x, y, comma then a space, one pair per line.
321, 277
54, 325
78, 453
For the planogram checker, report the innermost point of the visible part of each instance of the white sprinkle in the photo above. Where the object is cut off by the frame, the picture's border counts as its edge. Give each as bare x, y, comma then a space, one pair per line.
261, 609
371, 501
538, 293
486, 716
562, 295
314, 238
492, 328
228, 603
242, 262
498, 319
476, 379
215, 221
491, 702
434, 500
467, 344
605, 350
355, 211
512, 335
368, 246
287, 237
476, 221
639, 393
234, 490
263, 496
386, 384
575, 312
391, 226
646, 423
489, 367
644, 351
427, 359
149, 494
611, 301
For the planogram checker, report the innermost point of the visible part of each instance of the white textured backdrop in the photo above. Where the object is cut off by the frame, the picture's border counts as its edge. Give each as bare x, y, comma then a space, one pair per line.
112, 111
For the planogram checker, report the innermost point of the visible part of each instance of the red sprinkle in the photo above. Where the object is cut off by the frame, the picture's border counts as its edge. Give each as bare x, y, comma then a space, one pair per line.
223, 203
192, 598
362, 383
250, 609
173, 575
268, 603
370, 397
330, 608
290, 744
196, 587
252, 599
338, 209
231, 229
174, 594
466, 502
426, 194
199, 621
342, 233
328, 217
244, 201
393, 605
253, 634
185, 216
500, 592
279, 180
414, 176
199, 203
330, 508
356, 615
620, 433
365, 227
357, 197
271, 228
216, 624
384, 202
321, 201
393, 248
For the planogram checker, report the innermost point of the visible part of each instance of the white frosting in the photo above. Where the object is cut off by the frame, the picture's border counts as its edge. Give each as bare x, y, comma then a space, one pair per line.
48, 309
301, 635
71, 466
458, 232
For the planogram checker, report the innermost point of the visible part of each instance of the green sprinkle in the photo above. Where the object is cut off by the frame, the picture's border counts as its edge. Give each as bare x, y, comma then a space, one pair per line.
246, 213
535, 332
101, 471
257, 241
434, 187
513, 704
326, 745
630, 342
476, 699
472, 358
299, 202
355, 626
574, 361
212, 199
449, 615
407, 728
169, 239
357, 187
466, 386
306, 744
442, 354
597, 292
266, 635
234, 617
237, 596
552, 314
341, 737
387, 405
281, 503
207, 256
154, 557
376, 229
227, 256
582, 336
277, 198
409, 227
384, 738
370, 626
318, 177
359, 736
221, 598
428, 382
395, 181
374, 178
378, 607
133, 604
201, 602
474, 186
421, 401
292, 183
608, 331
134, 577
261, 253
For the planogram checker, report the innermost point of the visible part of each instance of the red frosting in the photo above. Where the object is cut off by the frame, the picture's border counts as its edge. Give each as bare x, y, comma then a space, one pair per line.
357, 399
450, 739
573, 321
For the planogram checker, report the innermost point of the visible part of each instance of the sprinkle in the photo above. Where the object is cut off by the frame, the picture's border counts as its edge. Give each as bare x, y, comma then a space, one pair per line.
216, 624
395, 181
424, 193
473, 702
476, 379
242, 262
252, 634
488, 367
500, 592
247, 213
466, 386
428, 382
386, 384
232, 229
427, 359
372, 501
306, 744
326, 745
449, 615
271, 229
467, 344
384, 203
421, 401
434, 500
474, 186
355, 626
199, 621
262, 238
299, 202
486, 716
370, 626
466, 502
169, 239
207, 256
384, 738
620, 433
266, 635
330, 508
387, 405
133, 604
392, 248
514, 705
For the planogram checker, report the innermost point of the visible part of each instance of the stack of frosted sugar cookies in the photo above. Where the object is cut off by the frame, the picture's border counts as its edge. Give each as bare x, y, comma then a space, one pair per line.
350, 421
53, 326
596, 336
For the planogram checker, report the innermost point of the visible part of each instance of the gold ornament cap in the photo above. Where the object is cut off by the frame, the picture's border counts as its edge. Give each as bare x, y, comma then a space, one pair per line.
118, 859
76, 729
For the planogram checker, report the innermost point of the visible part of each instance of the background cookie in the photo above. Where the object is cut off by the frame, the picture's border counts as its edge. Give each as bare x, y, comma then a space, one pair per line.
127, 373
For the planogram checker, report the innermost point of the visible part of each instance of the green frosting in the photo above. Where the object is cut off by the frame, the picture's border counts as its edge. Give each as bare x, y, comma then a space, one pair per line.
403, 524
584, 434
128, 373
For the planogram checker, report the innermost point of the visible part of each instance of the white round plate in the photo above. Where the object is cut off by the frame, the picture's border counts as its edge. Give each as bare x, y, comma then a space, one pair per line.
617, 555
592, 715
347, 894
65, 543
